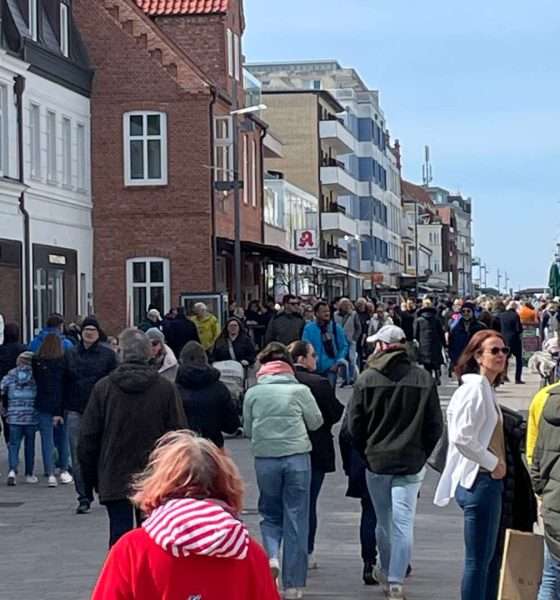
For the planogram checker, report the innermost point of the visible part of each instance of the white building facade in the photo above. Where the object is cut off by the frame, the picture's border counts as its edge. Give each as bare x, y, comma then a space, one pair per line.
45, 192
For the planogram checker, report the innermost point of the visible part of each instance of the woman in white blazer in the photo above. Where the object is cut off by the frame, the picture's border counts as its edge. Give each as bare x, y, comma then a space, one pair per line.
475, 465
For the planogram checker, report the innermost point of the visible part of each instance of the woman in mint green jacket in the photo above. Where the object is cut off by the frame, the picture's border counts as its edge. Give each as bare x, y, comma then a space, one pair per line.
277, 414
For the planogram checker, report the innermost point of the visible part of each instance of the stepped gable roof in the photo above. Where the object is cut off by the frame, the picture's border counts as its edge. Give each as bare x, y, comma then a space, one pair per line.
182, 7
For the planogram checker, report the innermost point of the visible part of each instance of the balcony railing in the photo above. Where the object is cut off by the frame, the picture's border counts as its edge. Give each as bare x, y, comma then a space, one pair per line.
332, 207
332, 162
333, 251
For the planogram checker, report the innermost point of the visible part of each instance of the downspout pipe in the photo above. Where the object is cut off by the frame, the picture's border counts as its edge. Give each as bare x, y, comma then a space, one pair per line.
19, 89
213, 192
262, 177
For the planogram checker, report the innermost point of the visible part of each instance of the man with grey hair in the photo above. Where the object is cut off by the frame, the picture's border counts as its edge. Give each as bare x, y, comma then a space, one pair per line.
349, 320
127, 413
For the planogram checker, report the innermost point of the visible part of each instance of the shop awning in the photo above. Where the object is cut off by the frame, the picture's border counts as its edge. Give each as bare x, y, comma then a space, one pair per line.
273, 254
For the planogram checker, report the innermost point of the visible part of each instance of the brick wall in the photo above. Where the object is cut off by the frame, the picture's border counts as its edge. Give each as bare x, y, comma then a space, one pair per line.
172, 221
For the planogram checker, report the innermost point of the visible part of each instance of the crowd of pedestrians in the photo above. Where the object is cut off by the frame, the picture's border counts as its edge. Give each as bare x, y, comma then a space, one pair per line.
139, 421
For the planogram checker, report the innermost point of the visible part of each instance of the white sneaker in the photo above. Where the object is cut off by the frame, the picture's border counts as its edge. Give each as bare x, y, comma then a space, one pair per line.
66, 478
395, 592
293, 594
31, 479
52, 482
312, 563
11, 481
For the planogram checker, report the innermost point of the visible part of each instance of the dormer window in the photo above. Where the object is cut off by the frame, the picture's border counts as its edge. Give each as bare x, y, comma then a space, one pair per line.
64, 28
32, 10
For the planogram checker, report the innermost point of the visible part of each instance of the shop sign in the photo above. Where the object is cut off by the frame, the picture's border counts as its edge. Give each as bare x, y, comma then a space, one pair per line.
56, 259
307, 242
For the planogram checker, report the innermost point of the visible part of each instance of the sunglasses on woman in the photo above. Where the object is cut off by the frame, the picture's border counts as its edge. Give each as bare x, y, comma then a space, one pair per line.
495, 351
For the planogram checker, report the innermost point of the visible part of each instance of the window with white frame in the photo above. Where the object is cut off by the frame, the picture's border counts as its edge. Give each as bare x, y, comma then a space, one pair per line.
245, 170
4, 130
51, 146
229, 52
237, 56
64, 28
254, 172
32, 12
66, 151
148, 283
81, 156
35, 139
145, 148
223, 148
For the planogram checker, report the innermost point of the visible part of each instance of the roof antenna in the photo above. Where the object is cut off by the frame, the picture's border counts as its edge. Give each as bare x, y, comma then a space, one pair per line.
427, 168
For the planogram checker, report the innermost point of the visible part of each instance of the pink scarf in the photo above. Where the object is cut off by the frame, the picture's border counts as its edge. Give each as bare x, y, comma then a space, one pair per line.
275, 367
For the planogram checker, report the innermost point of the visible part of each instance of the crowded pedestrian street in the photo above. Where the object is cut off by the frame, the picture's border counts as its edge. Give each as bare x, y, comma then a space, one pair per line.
61, 553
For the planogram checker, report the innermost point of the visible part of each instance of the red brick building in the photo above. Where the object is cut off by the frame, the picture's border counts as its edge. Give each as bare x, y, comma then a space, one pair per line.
166, 73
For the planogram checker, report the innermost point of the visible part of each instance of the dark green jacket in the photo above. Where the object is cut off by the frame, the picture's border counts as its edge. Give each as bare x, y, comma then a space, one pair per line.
395, 416
545, 471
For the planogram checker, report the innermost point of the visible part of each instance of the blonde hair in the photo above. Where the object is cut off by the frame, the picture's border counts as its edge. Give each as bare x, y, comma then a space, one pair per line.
183, 465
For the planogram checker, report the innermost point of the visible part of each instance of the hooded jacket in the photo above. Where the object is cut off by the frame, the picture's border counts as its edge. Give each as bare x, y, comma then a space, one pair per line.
208, 330
395, 415
19, 388
187, 550
429, 333
128, 412
545, 471
38, 340
207, 402
178, 332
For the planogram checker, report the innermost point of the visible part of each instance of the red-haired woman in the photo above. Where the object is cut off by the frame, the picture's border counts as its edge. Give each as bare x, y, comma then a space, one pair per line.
476, 460
193, 544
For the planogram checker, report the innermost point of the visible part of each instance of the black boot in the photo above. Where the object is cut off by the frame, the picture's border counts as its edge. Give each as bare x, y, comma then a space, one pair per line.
369, 578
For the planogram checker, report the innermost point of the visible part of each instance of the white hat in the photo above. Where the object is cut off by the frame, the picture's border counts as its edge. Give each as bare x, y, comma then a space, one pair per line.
390, 334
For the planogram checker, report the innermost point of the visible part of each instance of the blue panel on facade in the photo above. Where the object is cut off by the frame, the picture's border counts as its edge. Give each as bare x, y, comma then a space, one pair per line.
365, 130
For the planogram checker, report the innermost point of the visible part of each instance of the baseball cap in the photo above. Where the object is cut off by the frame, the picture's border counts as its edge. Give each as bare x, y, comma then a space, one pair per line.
390, 334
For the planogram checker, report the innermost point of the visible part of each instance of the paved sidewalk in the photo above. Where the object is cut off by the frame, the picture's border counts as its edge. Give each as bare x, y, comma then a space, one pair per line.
49, 553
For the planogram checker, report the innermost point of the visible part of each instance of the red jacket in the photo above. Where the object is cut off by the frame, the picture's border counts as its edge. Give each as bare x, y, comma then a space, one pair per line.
156, 563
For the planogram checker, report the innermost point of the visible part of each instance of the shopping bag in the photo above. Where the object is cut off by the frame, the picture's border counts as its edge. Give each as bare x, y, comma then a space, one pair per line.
522, 566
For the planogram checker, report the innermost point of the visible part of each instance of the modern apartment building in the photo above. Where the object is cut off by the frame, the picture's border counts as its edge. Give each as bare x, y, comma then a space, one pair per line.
358, 179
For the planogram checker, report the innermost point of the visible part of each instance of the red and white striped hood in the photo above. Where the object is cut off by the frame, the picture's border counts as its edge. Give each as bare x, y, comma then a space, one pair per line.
201, 527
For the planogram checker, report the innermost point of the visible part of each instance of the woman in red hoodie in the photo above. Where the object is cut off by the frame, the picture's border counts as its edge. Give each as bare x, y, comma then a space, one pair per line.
192, 545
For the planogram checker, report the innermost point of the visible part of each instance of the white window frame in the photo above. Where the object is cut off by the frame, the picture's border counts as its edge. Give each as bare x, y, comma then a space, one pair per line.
64, 29
254, 172
4, 130
51, 147
32, 19
67, 151
237, 56
229, 52
81, 157
35, 139
145, 138
130, 285
223, 146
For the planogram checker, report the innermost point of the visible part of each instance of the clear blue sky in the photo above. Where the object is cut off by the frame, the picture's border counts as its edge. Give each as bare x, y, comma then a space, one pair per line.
478, 81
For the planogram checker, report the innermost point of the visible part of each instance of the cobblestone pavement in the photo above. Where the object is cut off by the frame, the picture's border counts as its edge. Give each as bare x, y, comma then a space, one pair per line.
49, 553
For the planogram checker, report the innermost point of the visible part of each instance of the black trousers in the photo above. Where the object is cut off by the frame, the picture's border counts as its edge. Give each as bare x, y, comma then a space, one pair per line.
368, 523
517, 351
122, 517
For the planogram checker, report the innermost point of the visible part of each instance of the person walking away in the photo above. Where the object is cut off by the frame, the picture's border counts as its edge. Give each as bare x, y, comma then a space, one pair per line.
18, 391
10, 349
395, 420
180, 331
163, 358
528, 315
287, 326
277, 414
462, 332
195, 492
48, 372
84, 366
153, 319
55, 324
512, 330
476, 460
206, 324
328, 340
322, 444
234, 344
348, 319
207, 402
431, 340
408, 317
355, 468
129, 410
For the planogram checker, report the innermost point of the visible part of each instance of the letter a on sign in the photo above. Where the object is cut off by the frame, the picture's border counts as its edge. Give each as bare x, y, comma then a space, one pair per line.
306, 240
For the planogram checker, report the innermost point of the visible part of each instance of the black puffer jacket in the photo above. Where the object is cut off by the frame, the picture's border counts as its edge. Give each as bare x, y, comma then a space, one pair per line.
207, 402
243, 349
285, 328
83, 369
428, 331
128, 412
49, 377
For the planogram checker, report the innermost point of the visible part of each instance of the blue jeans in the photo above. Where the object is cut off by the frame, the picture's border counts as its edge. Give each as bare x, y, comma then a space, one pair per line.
62, 446
46, 430
482, 508
17, 434
284, 485
317, 479
73, 420
550, 585
394, 500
